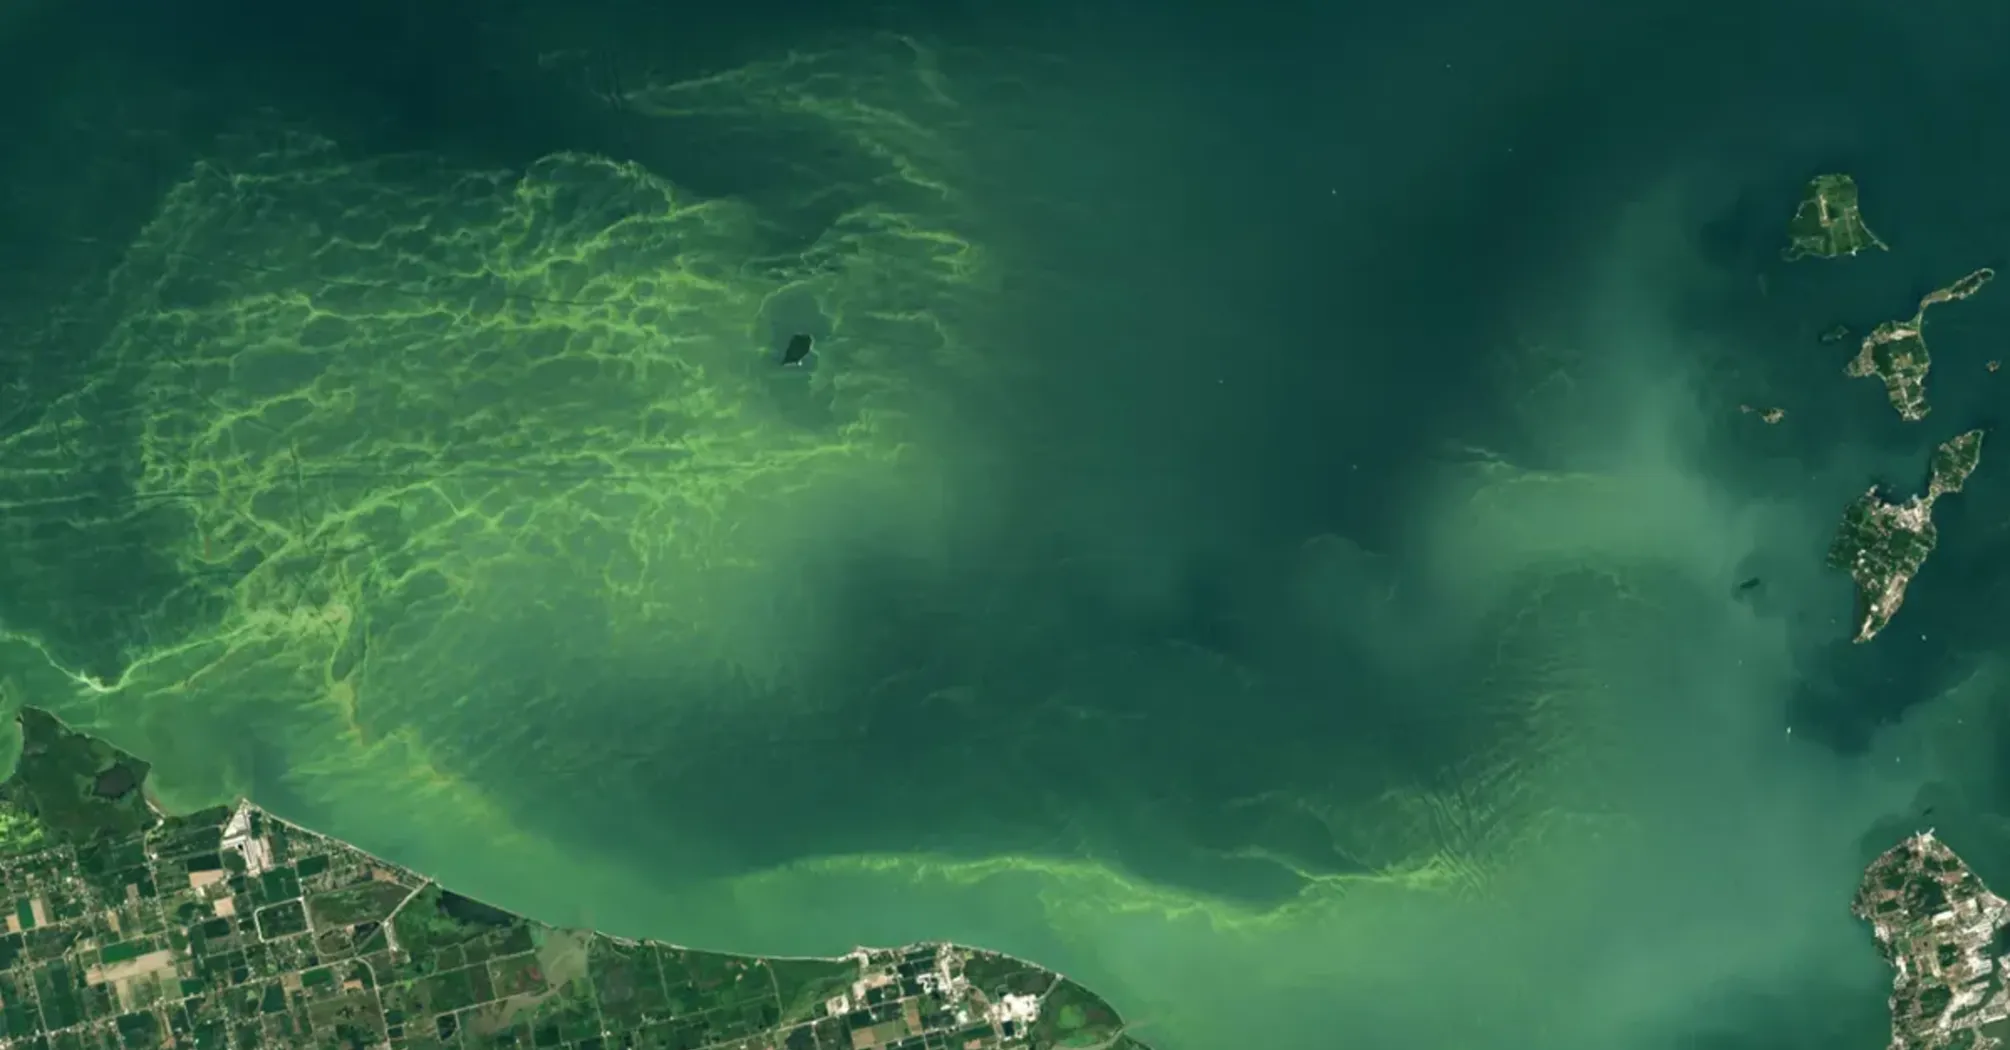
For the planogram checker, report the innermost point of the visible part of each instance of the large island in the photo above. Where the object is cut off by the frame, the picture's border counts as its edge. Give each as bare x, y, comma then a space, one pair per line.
1828, 222
1946, 937
1896, 353
1883, 544
230, 929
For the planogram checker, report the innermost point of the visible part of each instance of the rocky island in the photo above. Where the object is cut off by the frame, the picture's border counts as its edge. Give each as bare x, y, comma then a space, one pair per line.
231, 929
1895, 351
1828, 223
1882, 544
1946, 937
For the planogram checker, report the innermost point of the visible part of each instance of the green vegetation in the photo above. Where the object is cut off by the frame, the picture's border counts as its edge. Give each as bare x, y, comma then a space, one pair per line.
1001, 975
55, 793
1882, 544
19, 829
801, 984
1828, 222
1923, 896
1896, 352
1954, 461
369, 901
232, 930
1072, 1016
1930, 915
393, 446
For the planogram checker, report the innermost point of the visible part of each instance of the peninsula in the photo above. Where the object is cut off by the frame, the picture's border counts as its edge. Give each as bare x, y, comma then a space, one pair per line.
1895, 351
231, 929
1883, 544
1946, 937
1828, 223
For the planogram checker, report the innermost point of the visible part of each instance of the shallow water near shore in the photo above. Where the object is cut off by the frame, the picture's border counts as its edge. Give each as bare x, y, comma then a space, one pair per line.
1264, 536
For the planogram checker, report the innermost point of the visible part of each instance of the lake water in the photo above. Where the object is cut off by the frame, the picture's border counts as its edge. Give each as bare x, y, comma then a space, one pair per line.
1261, 536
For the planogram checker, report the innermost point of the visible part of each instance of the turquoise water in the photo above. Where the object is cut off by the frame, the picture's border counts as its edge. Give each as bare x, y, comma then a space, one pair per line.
1261, 537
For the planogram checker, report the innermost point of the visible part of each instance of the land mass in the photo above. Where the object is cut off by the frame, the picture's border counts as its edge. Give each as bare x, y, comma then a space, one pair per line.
1895, 351
1828, 223
126, 928
1946, 937
1882, 544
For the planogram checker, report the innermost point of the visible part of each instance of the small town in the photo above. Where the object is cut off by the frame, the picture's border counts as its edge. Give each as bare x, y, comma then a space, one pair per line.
231, 929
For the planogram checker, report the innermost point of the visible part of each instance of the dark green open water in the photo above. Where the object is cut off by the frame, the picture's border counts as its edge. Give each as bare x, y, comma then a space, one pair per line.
1259, 535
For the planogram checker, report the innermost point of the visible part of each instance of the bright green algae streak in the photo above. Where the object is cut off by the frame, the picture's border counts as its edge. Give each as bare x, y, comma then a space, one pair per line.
229, 929
367, 502
467, 774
